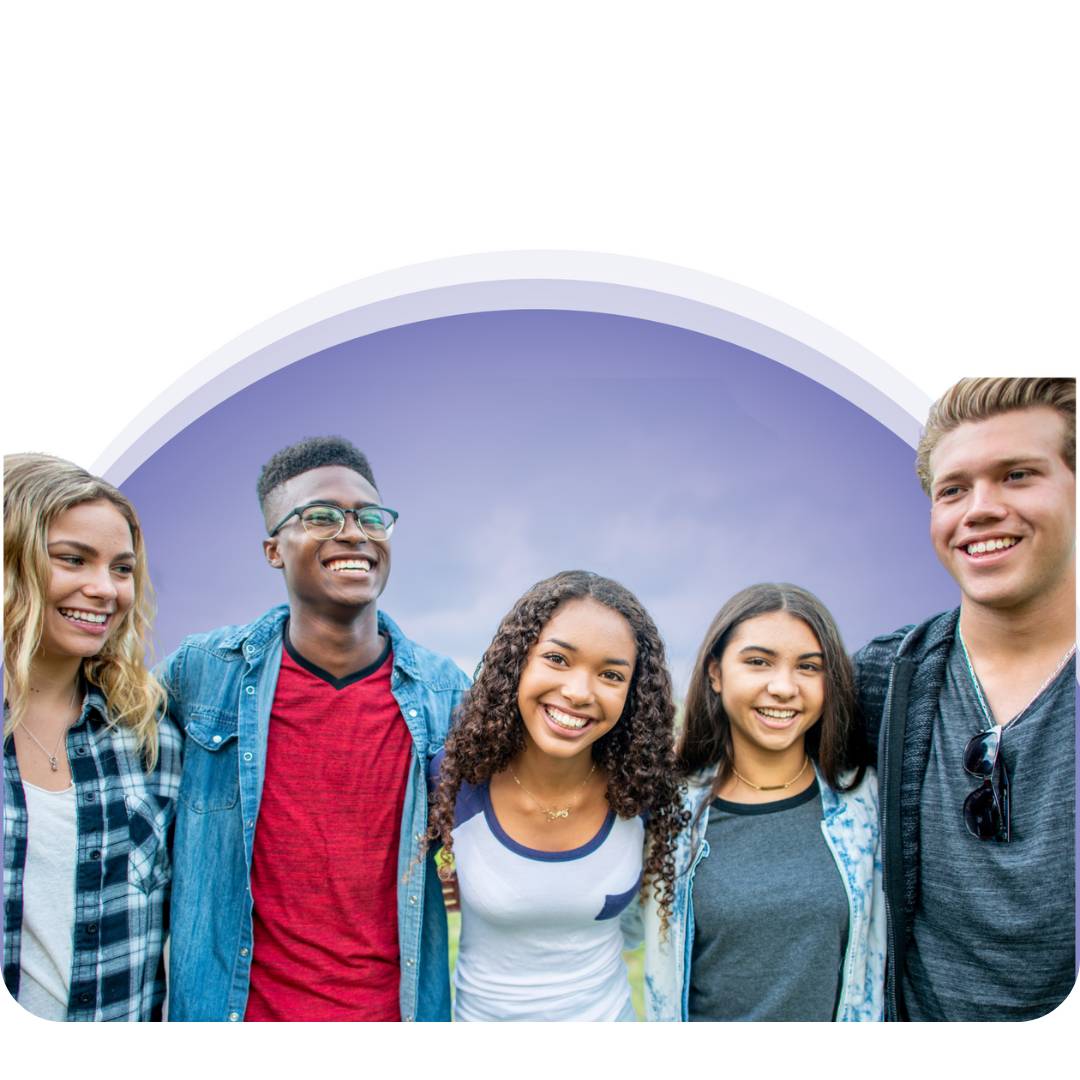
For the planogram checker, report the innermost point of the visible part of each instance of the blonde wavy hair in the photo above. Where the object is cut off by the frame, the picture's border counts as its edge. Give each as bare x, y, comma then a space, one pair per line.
38, 488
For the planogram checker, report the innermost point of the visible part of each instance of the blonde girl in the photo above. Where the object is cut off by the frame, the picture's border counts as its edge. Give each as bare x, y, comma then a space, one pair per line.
91, 766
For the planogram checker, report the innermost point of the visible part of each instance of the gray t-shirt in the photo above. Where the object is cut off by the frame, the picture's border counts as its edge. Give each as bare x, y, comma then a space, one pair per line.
770, 914
994, 926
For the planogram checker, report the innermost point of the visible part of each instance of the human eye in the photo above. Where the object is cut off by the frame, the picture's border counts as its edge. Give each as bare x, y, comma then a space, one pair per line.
756, 661
373, 515
555, 658
322, 515
949, 491
613, 676
811, 667
1019, 474
70, 560
123, 569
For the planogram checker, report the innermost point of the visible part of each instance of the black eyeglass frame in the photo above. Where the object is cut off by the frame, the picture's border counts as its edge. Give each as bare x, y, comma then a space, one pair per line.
988, 820
356, 511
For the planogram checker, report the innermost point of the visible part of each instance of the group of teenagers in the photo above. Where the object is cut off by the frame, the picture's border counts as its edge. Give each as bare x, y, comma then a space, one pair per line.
290, 804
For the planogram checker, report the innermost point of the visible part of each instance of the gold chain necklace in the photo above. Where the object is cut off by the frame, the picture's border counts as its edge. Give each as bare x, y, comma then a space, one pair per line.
552, 813
772, 787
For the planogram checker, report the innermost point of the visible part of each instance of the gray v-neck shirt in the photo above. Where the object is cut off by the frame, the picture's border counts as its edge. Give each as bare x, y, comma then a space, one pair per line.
994, 927
770, 914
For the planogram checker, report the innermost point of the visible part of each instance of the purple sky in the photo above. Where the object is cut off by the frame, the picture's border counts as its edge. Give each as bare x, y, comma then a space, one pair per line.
516, 444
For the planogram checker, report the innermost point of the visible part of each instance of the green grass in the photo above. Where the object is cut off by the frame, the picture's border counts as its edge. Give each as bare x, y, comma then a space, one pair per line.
635, 960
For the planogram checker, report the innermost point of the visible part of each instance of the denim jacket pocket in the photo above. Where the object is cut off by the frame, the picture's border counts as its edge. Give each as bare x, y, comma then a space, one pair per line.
211, 776
149, 865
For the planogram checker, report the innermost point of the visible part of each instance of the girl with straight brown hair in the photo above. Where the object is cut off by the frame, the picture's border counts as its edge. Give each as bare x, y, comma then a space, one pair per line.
778, 911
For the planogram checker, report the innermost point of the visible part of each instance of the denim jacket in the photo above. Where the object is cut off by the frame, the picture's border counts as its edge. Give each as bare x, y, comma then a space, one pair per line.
221, 687
850, 826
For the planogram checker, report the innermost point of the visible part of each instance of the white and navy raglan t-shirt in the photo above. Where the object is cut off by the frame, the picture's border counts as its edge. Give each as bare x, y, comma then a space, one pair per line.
540, 937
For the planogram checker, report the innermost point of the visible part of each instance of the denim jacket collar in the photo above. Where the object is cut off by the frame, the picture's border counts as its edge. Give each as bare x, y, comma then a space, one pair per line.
265, 632
222, 687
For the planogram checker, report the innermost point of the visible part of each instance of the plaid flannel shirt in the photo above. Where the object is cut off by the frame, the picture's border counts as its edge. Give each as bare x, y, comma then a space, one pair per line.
123, 825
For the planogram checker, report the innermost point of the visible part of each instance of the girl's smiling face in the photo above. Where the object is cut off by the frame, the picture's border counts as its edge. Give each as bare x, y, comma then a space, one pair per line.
576, 678
91, 579
771, 680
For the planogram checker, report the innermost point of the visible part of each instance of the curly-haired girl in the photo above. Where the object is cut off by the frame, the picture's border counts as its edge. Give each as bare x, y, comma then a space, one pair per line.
557, 770
91, 764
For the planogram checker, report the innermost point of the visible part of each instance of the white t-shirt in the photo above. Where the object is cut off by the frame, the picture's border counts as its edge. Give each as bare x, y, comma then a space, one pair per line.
48, 902
540, 936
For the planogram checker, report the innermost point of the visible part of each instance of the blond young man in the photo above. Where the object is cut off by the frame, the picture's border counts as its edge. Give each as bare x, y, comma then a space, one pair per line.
973, 716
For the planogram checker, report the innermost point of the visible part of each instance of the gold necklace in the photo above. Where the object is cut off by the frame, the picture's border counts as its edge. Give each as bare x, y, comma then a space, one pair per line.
772, 787
553, 813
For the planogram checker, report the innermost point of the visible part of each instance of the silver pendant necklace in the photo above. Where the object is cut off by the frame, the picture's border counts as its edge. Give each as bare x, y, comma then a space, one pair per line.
54, 757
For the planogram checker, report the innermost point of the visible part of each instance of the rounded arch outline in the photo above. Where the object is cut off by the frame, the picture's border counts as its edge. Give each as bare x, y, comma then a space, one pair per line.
551, 280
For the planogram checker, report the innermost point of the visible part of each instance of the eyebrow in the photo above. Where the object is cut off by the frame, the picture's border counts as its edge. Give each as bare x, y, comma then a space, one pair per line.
1001, 463
86, 549
573, 648
773, 652
335, 504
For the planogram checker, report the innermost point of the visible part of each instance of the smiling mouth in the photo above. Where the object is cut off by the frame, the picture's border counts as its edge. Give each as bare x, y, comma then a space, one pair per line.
980, 549
349, 566
776, 718
86, 619
566, 721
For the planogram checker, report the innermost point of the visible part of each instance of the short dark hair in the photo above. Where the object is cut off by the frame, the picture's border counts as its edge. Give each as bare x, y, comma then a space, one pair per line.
313, 453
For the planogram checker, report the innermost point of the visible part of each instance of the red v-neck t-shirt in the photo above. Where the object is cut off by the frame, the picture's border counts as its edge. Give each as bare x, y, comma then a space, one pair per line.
325, 864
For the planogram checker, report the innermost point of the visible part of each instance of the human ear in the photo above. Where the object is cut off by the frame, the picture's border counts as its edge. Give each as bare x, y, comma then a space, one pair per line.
273, 556
713, 668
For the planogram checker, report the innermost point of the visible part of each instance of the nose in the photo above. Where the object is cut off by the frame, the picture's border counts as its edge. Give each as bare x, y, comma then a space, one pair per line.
577, 687
99, 584
351, 533
781, 684
985, 503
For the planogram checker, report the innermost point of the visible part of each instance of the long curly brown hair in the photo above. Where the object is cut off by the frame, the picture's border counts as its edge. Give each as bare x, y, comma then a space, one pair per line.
637, 753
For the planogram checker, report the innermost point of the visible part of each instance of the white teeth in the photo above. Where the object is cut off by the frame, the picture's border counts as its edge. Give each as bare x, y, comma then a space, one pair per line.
84, 616
350, 564
984, 546
777, 714
565, 719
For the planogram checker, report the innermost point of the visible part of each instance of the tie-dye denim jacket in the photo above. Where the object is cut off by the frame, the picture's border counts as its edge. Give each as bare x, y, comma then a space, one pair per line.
850, 825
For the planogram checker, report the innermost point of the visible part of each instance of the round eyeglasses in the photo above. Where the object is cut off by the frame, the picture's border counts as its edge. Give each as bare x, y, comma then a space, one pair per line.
324, 521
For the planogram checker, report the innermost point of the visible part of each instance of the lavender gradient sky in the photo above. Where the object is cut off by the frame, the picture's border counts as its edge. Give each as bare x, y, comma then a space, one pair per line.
516, 444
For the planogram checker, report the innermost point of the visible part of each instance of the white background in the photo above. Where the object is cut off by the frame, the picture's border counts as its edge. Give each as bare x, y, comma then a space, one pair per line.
177, 174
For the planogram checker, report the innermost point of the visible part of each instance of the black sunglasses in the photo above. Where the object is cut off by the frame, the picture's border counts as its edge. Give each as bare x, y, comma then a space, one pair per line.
986, 809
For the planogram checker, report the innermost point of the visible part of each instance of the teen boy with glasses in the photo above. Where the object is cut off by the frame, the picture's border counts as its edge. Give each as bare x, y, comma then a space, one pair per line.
974, 711
299, 892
